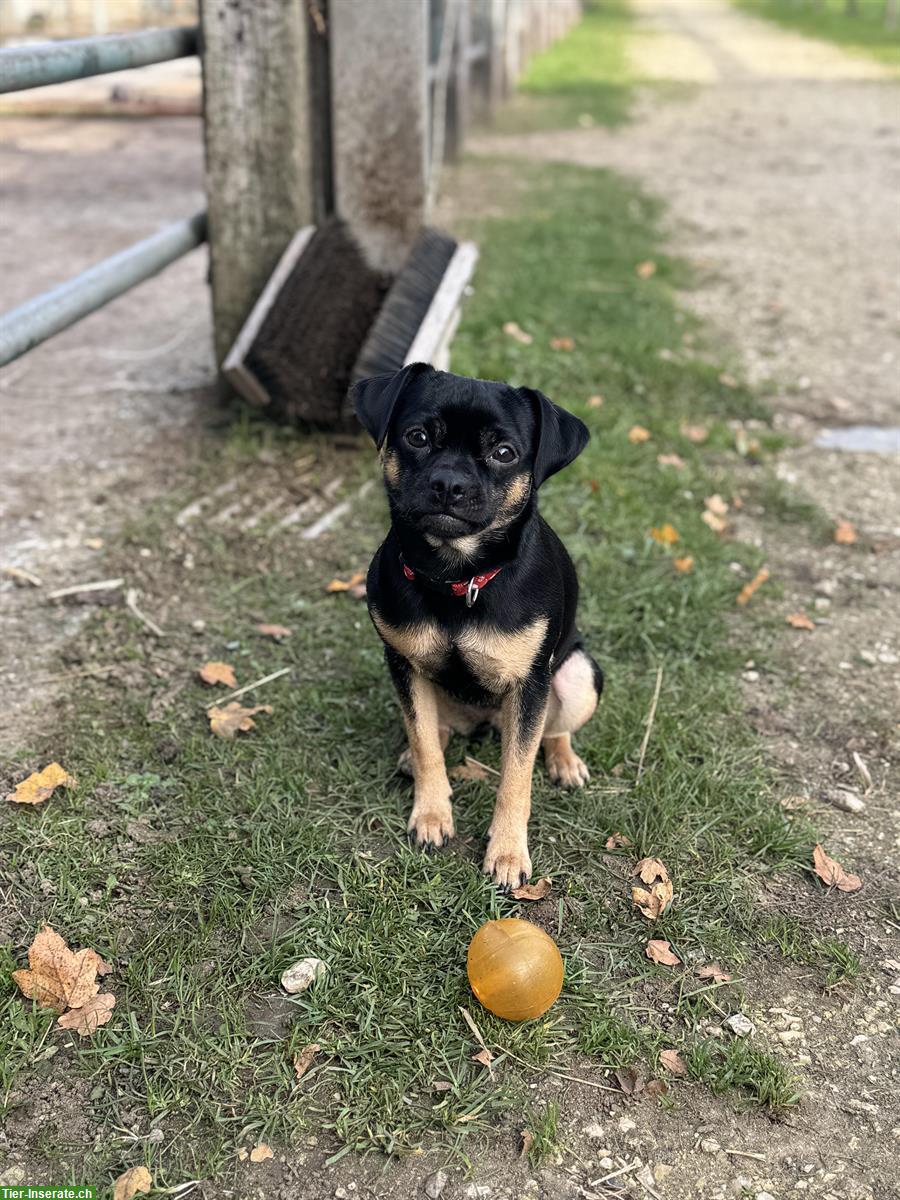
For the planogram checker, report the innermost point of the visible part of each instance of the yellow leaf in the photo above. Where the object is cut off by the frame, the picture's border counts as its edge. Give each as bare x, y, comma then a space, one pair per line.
666, 535
278, 632
844, 533
134, 1181
670, 460
341, 585
684, 565
227, 722
695, 433
638, 434
41, 785
562, 343
645, 269
746, 592
713, 971
654, 899
800, 621
595, 401
511, 329
218, 672
261, 1152
58, 977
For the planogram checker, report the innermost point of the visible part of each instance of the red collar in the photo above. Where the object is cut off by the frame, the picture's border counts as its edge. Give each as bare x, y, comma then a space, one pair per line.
463, 587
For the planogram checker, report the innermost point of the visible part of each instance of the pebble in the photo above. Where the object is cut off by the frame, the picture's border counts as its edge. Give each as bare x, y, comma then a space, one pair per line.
626, 1125
594, 1132
477, 1191
710, 1146
300, 975
740, 1025
846, 800
435, 1184
764, 1196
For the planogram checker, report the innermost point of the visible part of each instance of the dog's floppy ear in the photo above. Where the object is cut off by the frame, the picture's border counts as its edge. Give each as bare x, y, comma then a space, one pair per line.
559, 436
374, 398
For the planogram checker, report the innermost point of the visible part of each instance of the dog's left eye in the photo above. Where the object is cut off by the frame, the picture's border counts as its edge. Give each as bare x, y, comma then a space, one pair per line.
417, 438
504, 454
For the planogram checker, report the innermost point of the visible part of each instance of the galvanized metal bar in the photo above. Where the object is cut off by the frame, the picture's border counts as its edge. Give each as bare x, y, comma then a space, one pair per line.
41, 317
23, 67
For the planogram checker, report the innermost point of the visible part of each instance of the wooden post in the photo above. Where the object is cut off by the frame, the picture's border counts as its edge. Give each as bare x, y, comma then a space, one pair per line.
259, 159
498, 87
379, 122
459, 100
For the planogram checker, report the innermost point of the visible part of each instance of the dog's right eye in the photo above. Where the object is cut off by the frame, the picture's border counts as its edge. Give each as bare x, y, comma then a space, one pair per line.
417, 438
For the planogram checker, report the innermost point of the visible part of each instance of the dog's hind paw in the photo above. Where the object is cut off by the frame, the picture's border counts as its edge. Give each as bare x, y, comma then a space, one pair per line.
566, 768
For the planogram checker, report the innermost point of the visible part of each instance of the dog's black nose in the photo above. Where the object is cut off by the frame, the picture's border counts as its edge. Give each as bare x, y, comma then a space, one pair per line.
451, 488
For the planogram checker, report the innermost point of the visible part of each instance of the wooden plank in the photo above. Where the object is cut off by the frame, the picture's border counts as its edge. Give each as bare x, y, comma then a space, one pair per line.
260, 164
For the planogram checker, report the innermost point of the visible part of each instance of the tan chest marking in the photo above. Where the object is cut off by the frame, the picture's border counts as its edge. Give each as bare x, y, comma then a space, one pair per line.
497, 659
423, 644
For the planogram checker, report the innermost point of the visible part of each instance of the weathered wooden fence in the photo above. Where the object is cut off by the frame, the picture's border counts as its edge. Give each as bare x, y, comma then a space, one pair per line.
311, 107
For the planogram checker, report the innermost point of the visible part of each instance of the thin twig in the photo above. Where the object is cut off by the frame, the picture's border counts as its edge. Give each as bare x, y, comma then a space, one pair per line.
21, 575
746, 1154
131, 604
79, 674
613, 1174
248, 687
473, 762
101, 585
648, 724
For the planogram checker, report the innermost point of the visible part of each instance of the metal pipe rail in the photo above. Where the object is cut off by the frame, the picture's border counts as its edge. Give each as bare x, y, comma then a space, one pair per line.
40, 318
31, 66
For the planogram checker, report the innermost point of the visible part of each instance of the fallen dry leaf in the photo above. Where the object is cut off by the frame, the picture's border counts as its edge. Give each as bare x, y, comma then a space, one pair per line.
473, 769
655, 1087
800, 621
533, 891
303, 1061
41, 785
525, 1143
746, 593
358, 591
670, 460
90, 1016
715, 504
562, 343
278, 632
218, 672
792, 803
660, 951
595, 401
716, 523
657, 896
227, 722
630, 1080
133, 1182
346, 585
695, 433
615, 840
242, 1153
261, 1152
728, 380
713, 971
844, 533
58, 977
685, 565
484, 1057
515, 331
832, 873
441, 1085
645, 269
666, 535
672, 1061
638, 434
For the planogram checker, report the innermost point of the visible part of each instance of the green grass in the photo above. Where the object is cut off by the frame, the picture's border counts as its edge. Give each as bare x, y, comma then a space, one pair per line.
865, 33
202, 868
583, 79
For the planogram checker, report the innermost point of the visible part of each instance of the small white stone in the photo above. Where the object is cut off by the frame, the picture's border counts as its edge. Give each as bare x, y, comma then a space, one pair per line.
477, 1191
822, 604
710, 1146
740, 1025
300, 975
606, 1163
435, 1184
626, 1125
764, 1196
594, 1132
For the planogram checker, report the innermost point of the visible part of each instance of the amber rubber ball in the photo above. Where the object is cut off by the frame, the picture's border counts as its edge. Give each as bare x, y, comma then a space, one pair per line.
515, 969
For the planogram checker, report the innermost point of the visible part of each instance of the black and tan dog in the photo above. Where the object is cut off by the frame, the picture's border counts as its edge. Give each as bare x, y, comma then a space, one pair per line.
473, 593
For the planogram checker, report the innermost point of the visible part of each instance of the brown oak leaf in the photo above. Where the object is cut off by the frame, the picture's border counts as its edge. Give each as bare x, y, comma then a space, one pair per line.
90, 1016
525, 1143
233, 718
713, 971
654, 899
844, 533
345, 585
58, 977
533, 891
685, 565
666, 535
261, 1152
800, 621
832, 873
218, 672
303, 1061
133, 1182
616, 840
672, 1061
41, 785
660, 951
562, 343
638, 434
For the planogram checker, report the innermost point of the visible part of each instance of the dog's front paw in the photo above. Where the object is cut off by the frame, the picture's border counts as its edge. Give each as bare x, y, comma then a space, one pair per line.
507, 860
430, 825
567, 769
